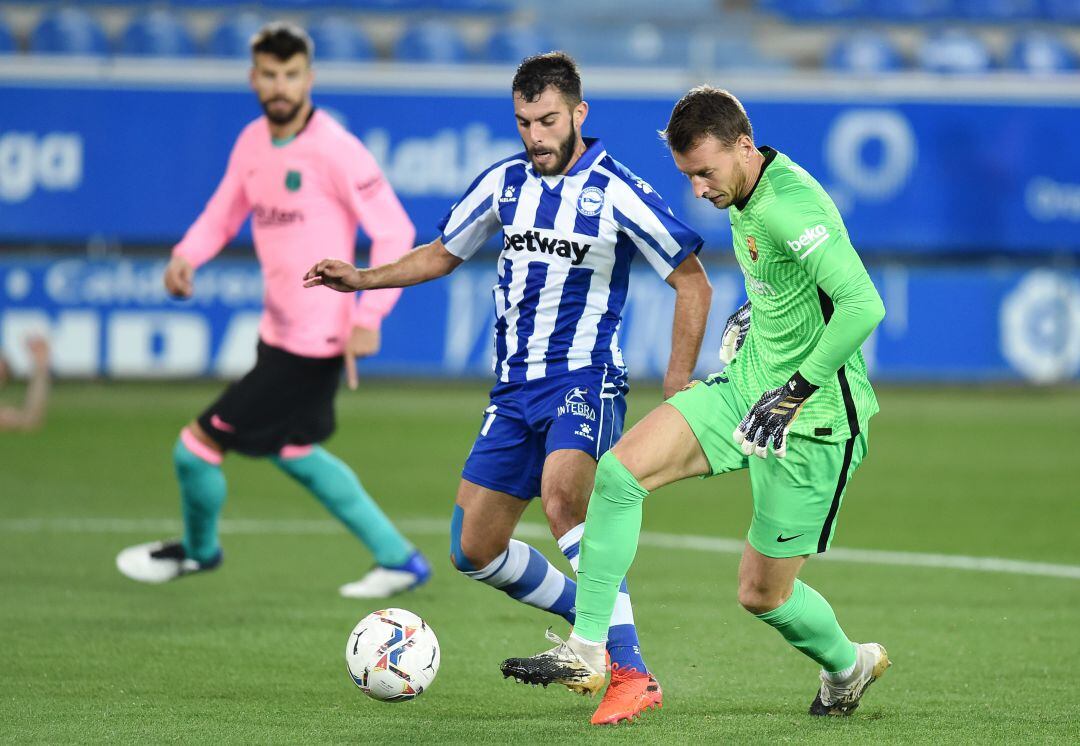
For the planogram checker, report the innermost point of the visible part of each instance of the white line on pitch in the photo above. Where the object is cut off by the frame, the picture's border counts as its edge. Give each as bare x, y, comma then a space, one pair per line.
435, 526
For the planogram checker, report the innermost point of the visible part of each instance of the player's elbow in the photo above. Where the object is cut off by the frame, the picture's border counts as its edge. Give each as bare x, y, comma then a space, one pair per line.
875, 313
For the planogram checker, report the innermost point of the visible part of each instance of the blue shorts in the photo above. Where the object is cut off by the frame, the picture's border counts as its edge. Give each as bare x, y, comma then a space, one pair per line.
581, 410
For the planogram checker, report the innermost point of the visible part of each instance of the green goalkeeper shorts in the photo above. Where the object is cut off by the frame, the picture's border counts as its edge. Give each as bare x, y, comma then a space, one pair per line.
796, 498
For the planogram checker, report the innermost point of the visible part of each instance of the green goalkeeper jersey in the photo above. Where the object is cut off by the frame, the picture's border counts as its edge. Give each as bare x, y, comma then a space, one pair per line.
812, 302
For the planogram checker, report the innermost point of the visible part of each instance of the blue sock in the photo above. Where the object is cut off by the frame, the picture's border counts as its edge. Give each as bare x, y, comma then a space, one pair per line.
525, 575
622, 640
202, 495
339, 490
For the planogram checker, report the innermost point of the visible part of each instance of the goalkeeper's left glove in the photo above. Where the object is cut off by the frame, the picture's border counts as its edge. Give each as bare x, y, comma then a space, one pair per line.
735, 330
770, 419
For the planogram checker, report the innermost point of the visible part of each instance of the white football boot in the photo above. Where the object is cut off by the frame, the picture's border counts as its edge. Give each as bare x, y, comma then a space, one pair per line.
383, 582
841, 698
160, 562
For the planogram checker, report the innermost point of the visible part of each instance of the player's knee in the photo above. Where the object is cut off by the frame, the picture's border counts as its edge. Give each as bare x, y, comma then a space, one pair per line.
612, 480
758, 598
195, 446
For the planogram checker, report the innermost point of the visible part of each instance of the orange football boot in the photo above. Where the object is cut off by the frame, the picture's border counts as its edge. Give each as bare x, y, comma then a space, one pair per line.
629, 694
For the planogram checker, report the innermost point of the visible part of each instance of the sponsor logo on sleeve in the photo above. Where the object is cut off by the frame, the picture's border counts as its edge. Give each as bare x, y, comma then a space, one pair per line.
810, 239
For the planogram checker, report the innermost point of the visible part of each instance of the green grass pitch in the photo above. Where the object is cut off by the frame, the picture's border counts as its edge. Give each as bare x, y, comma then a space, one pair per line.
254, 652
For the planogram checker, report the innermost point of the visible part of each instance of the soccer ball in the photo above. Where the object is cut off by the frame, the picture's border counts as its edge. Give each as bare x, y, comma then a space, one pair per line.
392, 655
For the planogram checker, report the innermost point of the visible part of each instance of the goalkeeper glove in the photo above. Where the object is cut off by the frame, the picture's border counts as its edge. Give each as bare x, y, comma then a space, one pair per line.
770, 419
735, 330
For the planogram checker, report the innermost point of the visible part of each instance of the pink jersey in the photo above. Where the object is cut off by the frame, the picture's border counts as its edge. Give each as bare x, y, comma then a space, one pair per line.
306, 199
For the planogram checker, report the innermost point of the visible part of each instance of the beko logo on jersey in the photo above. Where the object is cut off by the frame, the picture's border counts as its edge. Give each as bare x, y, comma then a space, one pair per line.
810, 239
535, 240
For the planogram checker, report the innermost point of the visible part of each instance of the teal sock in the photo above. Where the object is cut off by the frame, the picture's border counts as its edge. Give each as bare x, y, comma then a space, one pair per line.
807, 622
202, 494
339, 490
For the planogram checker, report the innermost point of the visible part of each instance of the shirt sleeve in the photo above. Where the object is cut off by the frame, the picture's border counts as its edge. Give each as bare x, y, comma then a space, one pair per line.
375, 207
663, 239
474, 218
820, 245
222, 217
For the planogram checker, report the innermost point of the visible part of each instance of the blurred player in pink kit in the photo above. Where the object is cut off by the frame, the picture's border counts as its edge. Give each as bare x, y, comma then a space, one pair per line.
307, 184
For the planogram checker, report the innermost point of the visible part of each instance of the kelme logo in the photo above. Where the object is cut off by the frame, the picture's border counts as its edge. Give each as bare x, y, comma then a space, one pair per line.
292, 181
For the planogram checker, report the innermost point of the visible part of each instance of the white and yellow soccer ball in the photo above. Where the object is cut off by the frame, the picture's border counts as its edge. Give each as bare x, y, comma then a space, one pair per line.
392, 655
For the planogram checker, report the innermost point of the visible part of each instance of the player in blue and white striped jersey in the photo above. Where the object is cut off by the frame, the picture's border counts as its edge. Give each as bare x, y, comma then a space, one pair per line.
572, 220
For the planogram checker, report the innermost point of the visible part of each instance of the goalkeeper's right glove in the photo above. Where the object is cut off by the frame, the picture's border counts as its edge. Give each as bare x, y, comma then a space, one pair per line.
738, 324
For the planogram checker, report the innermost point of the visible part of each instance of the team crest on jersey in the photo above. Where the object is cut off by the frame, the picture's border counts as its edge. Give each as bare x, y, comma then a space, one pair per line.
591, 201
292, 181
752, 245
508, 195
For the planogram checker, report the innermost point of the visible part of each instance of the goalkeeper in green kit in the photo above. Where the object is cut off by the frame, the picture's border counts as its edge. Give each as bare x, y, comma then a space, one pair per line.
792, 408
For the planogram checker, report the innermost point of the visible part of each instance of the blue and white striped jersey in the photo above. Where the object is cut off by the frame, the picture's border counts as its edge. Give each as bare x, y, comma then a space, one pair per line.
568, 241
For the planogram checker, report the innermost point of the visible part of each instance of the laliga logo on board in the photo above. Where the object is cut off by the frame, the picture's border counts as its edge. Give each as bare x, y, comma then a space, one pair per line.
591, 201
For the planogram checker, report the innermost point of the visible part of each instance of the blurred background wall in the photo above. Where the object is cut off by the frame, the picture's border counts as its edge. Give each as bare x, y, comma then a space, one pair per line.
947, 131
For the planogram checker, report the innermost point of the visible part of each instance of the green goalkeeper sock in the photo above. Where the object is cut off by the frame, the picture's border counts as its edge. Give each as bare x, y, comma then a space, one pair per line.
807, 621
612, 528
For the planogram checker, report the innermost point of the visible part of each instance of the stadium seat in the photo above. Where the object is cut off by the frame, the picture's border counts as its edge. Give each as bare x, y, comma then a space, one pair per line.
514, 43
69, 30
157, 33
641, 44
954, 51
667, 13
7, 39
817, 10
233, 37
431, 41
914, 11
996, 11
338, 39
864, 52
1061, 10
1041, 52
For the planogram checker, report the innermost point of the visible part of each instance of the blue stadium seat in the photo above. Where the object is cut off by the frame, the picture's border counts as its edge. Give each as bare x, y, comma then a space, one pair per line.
1041, 52
641, 44
998, 10
233, 37
514, 43
69, 30
817, 10
1061, 10
338, 39
864, 52
157, 33
915, 11
7, 39
431, 41
666, 13
954, 51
